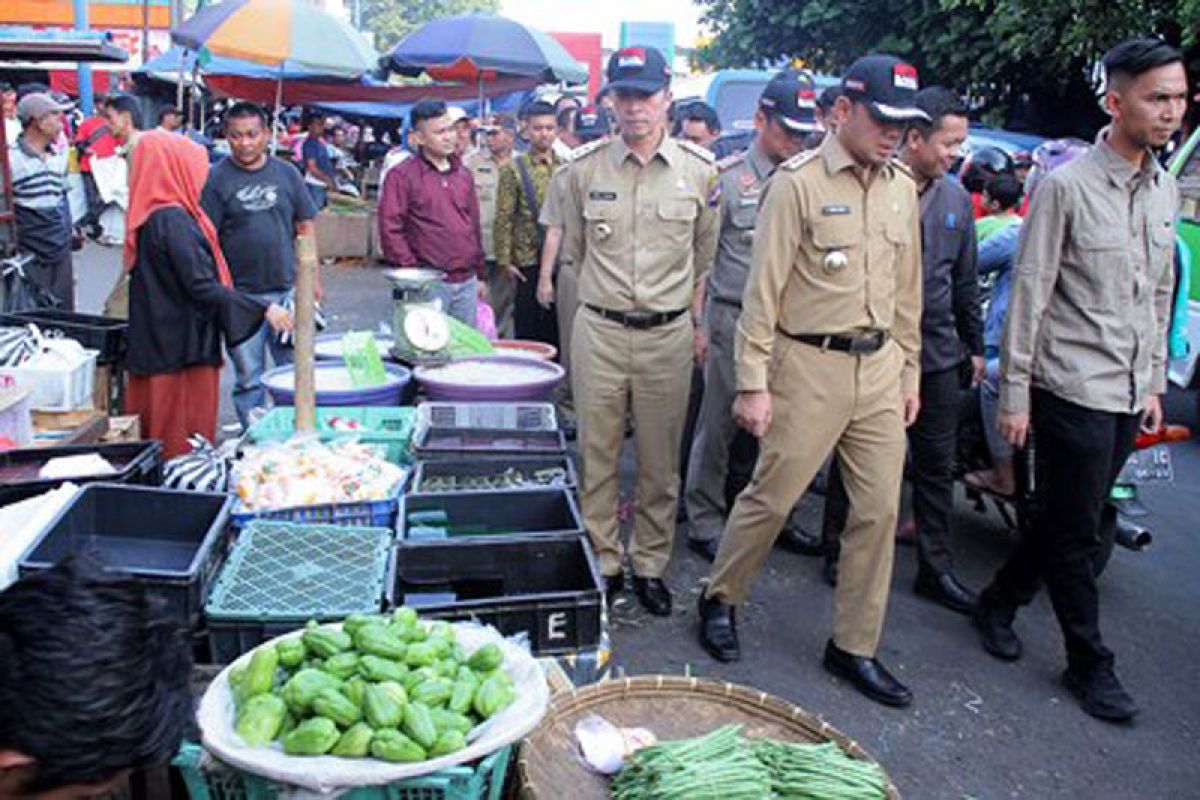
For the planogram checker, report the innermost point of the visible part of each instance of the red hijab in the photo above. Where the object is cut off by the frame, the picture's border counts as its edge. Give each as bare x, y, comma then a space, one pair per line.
169, 170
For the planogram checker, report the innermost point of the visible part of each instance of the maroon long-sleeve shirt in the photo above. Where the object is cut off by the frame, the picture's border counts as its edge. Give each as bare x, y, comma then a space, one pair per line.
429, 218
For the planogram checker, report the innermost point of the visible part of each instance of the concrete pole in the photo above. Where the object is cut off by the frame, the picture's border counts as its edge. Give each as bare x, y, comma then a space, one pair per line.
80, 7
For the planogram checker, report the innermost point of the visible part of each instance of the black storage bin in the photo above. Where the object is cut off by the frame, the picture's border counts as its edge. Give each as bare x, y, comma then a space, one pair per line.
516, 512
546, 586
138, 463
477, 467
170, 541
440, 444
108, 335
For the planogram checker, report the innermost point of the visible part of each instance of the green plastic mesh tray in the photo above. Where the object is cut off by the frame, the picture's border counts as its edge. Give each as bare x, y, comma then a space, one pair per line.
388, 427
280, 575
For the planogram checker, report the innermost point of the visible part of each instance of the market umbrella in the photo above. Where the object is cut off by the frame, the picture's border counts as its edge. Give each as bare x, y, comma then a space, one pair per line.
479, 48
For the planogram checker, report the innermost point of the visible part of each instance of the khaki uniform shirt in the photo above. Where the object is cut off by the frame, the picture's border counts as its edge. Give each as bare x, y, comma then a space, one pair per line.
516, 230
743, 177
641, 236
837, 250
486, 172
1092, 286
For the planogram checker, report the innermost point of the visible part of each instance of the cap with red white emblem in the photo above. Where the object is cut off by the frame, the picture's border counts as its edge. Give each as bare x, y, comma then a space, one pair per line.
791, 97
887, 86
638, 69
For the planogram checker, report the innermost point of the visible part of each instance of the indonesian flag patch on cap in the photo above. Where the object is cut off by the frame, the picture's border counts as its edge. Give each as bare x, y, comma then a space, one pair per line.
904, 76
631, 58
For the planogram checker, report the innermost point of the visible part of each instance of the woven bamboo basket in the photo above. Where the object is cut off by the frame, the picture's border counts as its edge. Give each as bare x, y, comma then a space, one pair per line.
549, 766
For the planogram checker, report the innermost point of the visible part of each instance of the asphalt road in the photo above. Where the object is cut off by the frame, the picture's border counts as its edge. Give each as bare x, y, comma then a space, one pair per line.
978, 728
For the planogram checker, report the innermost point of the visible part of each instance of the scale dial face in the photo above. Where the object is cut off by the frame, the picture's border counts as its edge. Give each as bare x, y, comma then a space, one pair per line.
426, 329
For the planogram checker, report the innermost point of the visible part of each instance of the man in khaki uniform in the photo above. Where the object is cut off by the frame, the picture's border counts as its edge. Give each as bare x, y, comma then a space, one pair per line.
486, 164
640, 224
828, 359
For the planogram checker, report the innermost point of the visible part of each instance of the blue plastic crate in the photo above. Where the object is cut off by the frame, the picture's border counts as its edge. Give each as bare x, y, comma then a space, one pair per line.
367, 514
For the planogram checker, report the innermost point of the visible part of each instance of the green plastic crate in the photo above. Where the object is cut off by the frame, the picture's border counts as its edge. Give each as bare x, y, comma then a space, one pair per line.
391, 427
207, 779
280, 575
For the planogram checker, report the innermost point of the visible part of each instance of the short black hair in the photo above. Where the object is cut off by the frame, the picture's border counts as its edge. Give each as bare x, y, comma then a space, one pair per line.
1005, 190
937, 102
1130, 59
243, 109
127, 104
424, 110
167, 111
827, 98
538, 108
94, 677
700, 111
311, 115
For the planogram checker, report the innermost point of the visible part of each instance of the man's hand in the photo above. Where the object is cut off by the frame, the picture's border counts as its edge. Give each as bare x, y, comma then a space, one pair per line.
1152, 416
978, 369
545, 291
911, 407
700, 346
515, 273
481, 289
1013, 427
279, 319
752, 410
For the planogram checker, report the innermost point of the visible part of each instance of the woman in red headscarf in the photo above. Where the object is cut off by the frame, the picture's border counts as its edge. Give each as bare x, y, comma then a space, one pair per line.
180, 300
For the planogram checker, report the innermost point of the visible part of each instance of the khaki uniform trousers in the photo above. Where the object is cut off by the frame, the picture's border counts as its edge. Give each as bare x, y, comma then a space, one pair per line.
821, 401
566, 302
615, 368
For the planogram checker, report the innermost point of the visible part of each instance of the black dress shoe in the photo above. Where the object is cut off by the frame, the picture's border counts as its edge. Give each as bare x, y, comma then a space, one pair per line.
995, 631
945, 590
654, 595
867, 675
705, 548
718, 629
613, 586
830, 571
800, 541
1101, 695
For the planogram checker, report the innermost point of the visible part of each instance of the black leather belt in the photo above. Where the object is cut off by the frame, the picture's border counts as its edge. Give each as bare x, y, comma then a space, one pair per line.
727, 302
863, 342
638, 320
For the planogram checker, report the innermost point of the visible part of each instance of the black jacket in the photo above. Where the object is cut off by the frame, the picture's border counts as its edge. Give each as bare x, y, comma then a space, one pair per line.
951, 319
178, 309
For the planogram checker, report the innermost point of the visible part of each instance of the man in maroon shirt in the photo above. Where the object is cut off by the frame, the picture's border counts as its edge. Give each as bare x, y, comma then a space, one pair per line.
429, 213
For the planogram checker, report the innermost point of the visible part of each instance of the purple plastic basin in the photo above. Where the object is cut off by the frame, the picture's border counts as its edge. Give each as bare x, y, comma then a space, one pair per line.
334, 387
539, 380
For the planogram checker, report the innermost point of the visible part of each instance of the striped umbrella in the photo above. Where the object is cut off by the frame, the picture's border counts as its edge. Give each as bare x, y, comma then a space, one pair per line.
292, 35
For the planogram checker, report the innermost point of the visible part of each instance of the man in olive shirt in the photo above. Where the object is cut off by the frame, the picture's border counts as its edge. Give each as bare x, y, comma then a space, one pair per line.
1082, 362
485, 165
640, 225
829, 359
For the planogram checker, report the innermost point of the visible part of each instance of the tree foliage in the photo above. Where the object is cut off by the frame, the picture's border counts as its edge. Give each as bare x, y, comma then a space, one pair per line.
1029, 57
392, 20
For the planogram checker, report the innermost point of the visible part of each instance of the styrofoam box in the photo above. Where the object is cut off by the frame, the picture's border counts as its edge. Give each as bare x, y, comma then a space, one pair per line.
62, 389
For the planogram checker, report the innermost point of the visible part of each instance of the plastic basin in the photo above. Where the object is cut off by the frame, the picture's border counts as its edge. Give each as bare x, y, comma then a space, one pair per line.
527, 348
513, 379
334, 387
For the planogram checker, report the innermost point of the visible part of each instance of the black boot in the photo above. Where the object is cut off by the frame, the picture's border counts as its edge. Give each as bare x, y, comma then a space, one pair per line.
1101, 694
705, 548
796, 540
867, 675
945, 590
654, 595
718, 629
994, 624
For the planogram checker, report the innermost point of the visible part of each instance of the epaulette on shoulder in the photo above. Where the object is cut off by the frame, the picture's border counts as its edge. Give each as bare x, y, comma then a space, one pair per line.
585, 150
902, 168
698, 151
799, 160
730, 161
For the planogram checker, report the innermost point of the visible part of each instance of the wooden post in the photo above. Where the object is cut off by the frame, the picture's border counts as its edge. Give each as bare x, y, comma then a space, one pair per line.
306, 281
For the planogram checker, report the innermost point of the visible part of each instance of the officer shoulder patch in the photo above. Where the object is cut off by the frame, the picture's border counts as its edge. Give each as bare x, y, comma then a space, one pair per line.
697, 151
902, 169
585, 150
799, 160
730, 161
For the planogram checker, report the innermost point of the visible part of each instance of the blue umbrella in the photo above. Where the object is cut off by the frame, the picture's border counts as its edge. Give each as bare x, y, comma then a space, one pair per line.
478, 48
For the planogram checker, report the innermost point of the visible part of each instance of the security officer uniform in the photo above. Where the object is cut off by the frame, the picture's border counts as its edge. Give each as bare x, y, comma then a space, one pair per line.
830, 327
485, 169
641, 237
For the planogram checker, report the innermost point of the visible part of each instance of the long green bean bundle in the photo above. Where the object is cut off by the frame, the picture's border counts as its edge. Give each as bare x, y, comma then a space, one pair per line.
819, 772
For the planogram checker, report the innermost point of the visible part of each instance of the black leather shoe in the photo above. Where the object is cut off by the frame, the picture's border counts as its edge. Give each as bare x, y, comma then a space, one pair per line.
705, 548
995, 631
945, 590
654, 595
718, 629
1101, 695
830, 571
800, 541
613, 586
867, 675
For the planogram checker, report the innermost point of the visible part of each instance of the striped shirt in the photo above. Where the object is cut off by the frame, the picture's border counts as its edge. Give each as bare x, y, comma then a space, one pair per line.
38, 183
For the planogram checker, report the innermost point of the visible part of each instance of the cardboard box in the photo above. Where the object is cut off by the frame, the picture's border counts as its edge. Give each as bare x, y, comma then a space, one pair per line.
344, 234
123, 429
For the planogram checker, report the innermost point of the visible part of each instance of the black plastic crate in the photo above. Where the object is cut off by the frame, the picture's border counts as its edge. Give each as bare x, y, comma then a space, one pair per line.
170, 541
108, 335
546, 586
440, 444
473, 515
477, 468
137, 463
280, 575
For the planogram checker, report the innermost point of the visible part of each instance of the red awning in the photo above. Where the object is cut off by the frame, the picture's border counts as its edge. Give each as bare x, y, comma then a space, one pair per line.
263, 91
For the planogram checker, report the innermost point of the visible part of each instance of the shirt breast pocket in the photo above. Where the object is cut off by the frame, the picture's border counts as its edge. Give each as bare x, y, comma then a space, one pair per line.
600, 225
675, 219
1102, 254
835, 242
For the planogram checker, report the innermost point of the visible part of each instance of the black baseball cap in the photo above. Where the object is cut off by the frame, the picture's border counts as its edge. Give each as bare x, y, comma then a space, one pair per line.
638, 69
887, 86
591, 123
791, 97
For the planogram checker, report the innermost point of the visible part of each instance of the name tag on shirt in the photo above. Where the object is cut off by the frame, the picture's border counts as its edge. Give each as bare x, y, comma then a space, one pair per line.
607, 196
835, 211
